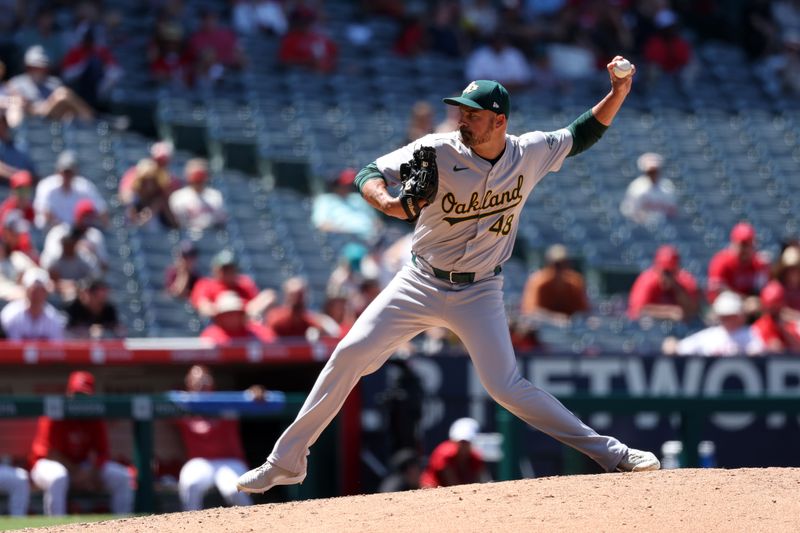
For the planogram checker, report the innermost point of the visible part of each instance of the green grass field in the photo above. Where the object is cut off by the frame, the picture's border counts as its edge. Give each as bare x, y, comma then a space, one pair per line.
10, 523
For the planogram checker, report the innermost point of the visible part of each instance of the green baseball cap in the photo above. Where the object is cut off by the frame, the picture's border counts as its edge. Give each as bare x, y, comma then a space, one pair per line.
483, 94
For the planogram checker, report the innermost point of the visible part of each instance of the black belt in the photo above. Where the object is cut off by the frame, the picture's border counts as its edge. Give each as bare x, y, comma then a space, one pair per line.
454, 277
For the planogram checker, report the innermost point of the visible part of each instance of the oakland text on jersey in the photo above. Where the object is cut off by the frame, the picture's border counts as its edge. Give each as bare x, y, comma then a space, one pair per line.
505, 200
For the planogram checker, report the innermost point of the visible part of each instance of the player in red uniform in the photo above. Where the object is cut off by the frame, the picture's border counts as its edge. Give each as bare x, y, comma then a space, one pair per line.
74, 454
214, 449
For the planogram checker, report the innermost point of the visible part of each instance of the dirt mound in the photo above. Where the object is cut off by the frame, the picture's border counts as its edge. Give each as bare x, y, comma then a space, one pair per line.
673, 500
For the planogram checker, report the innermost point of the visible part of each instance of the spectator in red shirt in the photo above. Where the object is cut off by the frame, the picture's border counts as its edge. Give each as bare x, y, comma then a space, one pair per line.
455, 461
778, 334
412, 38
171, 57
305, 46
74, 453
225, 277
666, 49
212, 38
738, 267
213, 449
21, 196
664, 290
90, 69
293, 319
231, 323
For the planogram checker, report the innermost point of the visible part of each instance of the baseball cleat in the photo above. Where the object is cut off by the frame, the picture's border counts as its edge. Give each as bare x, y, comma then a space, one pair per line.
638, 461
265, 477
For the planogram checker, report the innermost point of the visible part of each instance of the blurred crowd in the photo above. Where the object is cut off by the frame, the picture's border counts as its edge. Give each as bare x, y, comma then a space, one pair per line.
62, 67
521, 43
60, 56
56, 60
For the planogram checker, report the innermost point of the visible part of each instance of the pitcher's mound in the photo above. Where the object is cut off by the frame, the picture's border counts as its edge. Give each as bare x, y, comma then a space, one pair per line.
674, 501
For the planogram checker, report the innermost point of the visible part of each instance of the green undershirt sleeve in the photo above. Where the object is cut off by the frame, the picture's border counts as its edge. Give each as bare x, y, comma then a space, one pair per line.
586, 130
369, 172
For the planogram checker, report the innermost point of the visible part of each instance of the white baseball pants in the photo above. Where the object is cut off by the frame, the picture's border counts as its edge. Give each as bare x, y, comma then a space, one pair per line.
14, 482
413, 302
198, 475
53, 478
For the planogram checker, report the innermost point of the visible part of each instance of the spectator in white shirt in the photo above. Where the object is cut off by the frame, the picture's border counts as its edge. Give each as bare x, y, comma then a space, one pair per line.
731, 337
13, 265
197, 206
44, 95
33, 318
57, 195
91, 243
252, 16
499, 61
650, 199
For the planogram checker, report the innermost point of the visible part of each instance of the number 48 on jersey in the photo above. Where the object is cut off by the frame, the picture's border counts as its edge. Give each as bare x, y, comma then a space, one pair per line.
502, 225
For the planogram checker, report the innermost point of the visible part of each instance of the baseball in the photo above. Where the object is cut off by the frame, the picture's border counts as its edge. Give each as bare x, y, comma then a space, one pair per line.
622, 68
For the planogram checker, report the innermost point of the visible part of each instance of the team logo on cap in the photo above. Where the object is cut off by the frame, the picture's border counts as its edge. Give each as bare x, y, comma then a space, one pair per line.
495, 105
471, 87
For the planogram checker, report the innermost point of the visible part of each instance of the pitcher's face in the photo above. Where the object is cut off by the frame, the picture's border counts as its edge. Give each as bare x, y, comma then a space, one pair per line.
476, 125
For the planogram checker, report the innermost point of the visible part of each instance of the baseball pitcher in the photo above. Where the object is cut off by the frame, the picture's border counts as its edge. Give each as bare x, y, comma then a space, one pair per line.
465, 190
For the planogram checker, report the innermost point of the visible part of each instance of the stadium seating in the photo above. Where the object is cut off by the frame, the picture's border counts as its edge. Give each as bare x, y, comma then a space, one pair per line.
275, 134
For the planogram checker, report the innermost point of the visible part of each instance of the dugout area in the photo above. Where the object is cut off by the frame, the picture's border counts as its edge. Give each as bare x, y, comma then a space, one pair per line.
258, 431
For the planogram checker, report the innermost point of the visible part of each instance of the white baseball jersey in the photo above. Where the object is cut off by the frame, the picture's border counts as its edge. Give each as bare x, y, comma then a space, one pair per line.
472, 224
469, 227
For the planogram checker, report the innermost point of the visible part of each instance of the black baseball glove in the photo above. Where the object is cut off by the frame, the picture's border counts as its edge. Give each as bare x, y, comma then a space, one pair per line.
420, 181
